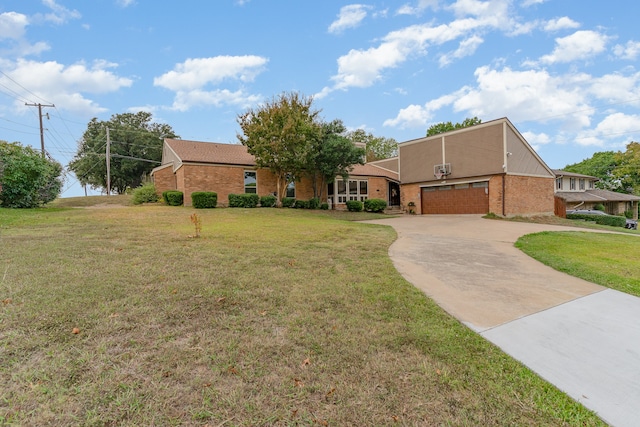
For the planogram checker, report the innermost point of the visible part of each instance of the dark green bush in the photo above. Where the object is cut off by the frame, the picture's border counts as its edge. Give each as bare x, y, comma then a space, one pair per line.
146, 193
324, 206
628, 214
173, 197
268, 201
246, 200
354, 205
615, 221
288, 202
313, 203
204, 199
301, 204
375, 205
599, 207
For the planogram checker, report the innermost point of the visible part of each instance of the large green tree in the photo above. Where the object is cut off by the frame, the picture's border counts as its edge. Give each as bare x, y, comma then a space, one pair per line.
279, 134
600, 165
443, 127
136, 148
628, 168
27, 179
377, 147
333, 154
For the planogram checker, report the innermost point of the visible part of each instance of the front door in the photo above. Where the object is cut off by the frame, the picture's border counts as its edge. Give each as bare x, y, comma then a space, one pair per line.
394, 194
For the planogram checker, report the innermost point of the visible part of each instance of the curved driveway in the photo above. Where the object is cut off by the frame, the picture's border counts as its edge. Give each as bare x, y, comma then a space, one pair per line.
581, 337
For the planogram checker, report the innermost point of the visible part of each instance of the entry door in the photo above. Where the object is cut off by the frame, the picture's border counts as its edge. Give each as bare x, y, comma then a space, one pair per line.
394, 194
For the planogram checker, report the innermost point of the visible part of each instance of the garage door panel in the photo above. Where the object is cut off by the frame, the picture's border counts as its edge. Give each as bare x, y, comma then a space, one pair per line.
440, 200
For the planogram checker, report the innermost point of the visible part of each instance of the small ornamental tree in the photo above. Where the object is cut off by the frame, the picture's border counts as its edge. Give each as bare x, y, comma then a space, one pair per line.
27, 180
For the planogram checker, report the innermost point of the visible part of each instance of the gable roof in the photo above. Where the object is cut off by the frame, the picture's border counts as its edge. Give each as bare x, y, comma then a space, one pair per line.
210, 152
560, 173
596, 195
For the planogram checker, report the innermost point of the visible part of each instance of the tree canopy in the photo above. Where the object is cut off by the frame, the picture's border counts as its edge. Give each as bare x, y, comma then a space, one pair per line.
601, 165
377, 147
27, 180
136, 148
443, 127
279, 134
627, 170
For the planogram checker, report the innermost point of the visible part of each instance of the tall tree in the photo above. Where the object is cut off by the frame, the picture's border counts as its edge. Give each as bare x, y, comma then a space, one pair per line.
600, 165
279, 134
136, 148
443, 127
628, 169
377, 147
332, 155
27, 180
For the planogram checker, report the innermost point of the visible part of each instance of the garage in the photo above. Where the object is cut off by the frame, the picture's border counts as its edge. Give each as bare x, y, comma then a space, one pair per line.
468, 198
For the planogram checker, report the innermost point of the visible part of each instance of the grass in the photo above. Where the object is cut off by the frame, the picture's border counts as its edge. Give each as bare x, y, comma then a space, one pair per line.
271, 317
611, 260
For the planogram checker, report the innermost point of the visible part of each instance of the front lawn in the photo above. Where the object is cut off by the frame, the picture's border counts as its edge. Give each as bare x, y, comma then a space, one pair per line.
116, 316
611, 260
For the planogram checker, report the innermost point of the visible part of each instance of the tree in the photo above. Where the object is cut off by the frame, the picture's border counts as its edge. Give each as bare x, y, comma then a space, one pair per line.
600, 165
443, 127
279, 134
628, 168
332, 155
136, 148
377, 147
27, 180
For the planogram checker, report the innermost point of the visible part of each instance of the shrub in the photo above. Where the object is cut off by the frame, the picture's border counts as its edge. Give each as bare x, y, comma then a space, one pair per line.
288, 202
354, 205
245, 200
204, 199
301, 204
146, 193
324, 206
615, 221
375, 205
313, 203
268, 201
173, 197
599, 207
628, 214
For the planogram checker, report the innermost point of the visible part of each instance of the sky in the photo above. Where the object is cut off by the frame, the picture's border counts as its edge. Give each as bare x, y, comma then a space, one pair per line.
565, 73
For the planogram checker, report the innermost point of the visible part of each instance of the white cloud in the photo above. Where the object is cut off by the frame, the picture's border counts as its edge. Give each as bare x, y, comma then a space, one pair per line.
614, 127
350, 16
536, 140
125, 3
195, 73
13, 25
528, 3
189, 79
560, 24
59, 14
66, 85
408, 9
577, 46
616, 88
630, 51
467, 47
416, 116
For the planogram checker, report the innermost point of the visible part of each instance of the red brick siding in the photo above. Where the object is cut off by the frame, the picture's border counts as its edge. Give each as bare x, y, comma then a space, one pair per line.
526, 195
410, 193
164, 180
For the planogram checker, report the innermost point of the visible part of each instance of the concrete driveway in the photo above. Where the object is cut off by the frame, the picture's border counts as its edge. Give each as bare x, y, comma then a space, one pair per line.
581, 337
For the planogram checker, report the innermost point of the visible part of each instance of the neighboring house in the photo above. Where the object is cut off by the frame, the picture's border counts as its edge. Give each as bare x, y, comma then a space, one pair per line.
578, 192
484, 168
190, 166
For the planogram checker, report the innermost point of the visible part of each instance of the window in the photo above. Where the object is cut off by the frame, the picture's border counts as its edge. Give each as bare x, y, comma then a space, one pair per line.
444, 188
250, 182
461, 186
572, 183
483, 184
590, 185
558, 183
352, 190
581, 183
291, 190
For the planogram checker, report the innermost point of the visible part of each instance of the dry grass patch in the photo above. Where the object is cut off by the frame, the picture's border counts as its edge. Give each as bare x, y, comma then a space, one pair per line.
271, 317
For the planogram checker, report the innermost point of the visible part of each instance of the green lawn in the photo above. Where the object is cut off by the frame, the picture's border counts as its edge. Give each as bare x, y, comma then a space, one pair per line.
271, 317
611, 260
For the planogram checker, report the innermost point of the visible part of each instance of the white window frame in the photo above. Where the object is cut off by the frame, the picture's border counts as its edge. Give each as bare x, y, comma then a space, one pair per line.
349, 193
255, 173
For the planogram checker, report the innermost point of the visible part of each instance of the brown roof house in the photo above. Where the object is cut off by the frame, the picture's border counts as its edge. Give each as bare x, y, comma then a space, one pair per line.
484, 168
190, 166
579, 192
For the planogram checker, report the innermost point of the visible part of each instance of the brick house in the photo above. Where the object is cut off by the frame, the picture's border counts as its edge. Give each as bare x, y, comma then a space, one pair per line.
485, 168
190, 166
579, 192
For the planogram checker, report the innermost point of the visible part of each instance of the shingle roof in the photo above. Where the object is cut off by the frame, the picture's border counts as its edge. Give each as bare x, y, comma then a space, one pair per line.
596, 195
211, 152
235, 154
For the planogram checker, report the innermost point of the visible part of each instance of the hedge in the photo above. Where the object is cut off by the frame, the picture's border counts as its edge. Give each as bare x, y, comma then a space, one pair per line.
354, 205
245, 200
173, 197
612, 220
375, 205
204, 199
288, 202
268, 201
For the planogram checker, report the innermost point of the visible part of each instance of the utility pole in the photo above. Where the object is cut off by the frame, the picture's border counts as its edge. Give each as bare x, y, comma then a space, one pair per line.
108, 164
40, 115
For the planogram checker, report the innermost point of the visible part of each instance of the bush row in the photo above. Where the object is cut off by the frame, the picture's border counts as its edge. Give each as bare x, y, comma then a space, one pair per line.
369, 205
204, 199
173, 197
615, 221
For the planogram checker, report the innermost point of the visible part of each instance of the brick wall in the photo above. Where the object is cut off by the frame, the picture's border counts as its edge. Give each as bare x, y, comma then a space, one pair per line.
410, 193
526, 195
164, 179
495, 194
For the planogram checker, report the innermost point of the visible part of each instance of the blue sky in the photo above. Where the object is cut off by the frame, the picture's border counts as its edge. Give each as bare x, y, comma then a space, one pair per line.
564, 72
